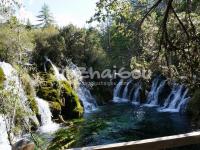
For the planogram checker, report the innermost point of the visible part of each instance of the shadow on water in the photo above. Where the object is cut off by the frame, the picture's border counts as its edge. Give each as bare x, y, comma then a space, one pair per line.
124, 122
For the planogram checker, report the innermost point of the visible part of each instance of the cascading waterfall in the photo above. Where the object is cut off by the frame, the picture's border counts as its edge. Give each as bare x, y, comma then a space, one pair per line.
136, 95
126, 96
117, 90
13, 84
88, 100
175, 102
152, 99
125, 92
47, 124
151, 95
117, 98
4, 143
176, 99
58, 75
84, 94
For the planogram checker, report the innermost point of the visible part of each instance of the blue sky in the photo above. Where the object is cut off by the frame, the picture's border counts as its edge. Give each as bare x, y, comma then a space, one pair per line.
64, 11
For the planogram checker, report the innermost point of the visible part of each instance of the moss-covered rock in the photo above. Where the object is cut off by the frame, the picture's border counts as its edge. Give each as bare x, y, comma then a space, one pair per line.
2, 77
49, 94
30, 92
33, 104
194, 106
49, 88
55, 109
61, 96
72, 107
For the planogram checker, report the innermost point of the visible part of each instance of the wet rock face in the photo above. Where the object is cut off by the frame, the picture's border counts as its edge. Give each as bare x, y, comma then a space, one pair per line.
164, 94
23, 145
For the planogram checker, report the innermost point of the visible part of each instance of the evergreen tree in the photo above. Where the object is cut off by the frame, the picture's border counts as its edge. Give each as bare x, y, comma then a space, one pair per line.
45, 17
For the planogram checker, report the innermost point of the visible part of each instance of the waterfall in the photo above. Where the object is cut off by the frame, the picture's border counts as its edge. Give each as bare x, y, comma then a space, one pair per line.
176, 99
157, 87
117, 98
88, 100
4, 143
125, 92
84, 94
58, 75
117, 90
151, 95
126, 95
47, 124
136, 94
13, 83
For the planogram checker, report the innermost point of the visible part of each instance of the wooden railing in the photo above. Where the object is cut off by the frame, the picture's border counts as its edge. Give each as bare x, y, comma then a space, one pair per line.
161, 143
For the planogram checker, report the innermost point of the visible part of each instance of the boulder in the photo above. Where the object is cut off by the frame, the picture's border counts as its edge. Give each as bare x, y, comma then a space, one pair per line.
23, 145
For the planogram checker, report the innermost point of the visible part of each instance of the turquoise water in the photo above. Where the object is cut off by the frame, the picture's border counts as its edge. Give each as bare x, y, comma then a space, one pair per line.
125, 122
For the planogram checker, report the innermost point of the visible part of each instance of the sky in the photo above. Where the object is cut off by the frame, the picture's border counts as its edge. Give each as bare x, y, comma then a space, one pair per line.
64, 12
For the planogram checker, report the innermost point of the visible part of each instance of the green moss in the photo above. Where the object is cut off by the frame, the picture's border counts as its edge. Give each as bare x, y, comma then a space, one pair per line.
55, 106
73, 107
61, 96
2, 77
33, 104
49, 94
194, 105
64, 138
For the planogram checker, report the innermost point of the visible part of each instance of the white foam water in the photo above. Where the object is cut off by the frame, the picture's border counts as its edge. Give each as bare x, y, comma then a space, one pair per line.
4, 143
47, 124
116, 94
176, 101
125, 92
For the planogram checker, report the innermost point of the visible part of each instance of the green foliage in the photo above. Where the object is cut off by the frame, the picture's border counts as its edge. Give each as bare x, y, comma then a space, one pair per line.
15, 41
82, 46
194, 105
120, 34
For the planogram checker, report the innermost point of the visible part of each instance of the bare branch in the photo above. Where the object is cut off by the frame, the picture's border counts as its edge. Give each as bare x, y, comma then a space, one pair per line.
150, 10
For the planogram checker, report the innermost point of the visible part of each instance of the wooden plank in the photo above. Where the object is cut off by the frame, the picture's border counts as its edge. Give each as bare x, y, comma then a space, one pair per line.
151, 144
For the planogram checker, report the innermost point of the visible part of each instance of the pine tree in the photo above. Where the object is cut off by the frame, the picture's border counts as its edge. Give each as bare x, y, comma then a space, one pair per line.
45, 17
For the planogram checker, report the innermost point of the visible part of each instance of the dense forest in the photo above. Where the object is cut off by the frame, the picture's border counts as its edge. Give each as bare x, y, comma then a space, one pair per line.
162, 36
